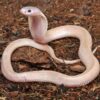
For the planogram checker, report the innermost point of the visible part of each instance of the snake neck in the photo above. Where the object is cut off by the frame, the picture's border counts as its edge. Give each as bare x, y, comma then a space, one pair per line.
38, 25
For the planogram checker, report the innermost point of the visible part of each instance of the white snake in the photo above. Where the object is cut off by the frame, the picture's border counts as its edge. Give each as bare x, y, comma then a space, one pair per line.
38, 27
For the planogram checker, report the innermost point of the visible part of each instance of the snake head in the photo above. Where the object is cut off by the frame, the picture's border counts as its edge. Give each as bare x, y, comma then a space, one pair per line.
38, 23
30, 11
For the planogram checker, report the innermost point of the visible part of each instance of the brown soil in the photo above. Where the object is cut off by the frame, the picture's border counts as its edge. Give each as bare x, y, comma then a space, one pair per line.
13, 26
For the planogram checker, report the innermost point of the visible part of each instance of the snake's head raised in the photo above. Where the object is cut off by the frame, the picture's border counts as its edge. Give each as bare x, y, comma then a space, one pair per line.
37, 23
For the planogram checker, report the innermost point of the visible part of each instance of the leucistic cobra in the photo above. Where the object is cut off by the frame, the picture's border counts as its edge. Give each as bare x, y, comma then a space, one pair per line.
41, 36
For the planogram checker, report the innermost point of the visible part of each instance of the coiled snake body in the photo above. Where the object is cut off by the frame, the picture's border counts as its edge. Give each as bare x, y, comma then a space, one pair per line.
38, 27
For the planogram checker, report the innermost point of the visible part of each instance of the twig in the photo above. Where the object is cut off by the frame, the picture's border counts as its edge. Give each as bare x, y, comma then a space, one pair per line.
53, 61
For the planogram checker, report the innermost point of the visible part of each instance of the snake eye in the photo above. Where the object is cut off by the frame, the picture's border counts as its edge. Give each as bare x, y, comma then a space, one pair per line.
29, 10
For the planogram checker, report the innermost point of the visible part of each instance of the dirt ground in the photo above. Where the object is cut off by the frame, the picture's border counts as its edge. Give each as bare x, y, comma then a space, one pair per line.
13, 26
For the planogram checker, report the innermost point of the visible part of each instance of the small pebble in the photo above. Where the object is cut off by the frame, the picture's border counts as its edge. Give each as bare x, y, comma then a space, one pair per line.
76, 22
46, 66
77, 68
22, 67
71, 10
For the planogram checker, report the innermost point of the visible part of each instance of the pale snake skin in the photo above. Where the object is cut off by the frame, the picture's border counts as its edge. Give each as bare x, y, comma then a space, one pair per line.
38, 27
